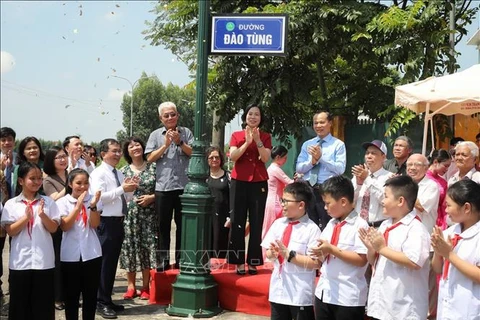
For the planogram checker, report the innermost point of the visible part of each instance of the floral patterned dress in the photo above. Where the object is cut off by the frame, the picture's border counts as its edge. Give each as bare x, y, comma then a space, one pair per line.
141, 230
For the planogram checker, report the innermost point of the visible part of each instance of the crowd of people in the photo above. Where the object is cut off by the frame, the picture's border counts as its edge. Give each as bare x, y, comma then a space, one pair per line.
397, 241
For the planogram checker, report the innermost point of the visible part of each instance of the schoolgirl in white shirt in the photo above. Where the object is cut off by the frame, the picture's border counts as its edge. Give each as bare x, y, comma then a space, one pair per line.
457, 254
29, 220
80, 252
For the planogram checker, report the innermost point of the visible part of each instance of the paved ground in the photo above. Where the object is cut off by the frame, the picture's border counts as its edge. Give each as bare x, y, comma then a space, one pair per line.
134, 309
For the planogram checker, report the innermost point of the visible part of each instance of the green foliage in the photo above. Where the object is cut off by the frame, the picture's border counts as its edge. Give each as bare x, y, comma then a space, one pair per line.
343, 56
148, 94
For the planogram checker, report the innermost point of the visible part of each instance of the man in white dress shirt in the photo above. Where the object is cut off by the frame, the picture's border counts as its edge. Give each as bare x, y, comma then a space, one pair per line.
77, 156
116, 192
368, 182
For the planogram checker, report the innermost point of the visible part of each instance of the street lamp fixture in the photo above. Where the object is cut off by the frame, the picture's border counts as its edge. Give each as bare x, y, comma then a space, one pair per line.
132, 86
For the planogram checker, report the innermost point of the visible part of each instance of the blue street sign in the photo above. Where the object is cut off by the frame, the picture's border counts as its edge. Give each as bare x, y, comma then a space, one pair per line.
249, 34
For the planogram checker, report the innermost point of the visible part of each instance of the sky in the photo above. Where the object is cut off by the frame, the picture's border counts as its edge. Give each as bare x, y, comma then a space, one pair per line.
58, 58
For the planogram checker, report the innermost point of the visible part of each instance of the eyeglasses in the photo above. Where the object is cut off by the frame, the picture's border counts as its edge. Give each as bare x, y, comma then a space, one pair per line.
286, 201
214, 158
62, 157
415, 164
119, 152
169, 115
92, 154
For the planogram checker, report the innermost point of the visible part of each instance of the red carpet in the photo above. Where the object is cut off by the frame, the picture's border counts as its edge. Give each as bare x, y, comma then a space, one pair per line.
247, 294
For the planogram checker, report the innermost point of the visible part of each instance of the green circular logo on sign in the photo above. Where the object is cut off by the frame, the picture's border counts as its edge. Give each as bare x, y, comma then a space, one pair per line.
230, 26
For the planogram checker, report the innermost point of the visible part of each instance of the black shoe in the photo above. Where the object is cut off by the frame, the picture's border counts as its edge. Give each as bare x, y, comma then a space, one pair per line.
106, 312
252, 270
164, 266
117, 307
241, 272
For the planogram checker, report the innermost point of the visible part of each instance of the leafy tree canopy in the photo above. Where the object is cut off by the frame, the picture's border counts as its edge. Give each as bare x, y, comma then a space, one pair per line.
148, 94
343, 56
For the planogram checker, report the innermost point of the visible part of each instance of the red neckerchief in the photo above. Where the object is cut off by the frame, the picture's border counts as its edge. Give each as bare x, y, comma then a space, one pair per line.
83, 215
32, 219
455, 240
336, 235
286, 240
385, 235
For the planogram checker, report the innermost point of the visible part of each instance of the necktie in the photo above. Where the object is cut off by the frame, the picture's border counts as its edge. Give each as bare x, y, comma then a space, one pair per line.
32, 219
336, 235
314, 172
83, 215
446, 265
124, 201
286, 239
365, 204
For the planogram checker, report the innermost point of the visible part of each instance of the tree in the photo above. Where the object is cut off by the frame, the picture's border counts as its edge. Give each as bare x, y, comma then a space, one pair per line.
147, 96
343, 56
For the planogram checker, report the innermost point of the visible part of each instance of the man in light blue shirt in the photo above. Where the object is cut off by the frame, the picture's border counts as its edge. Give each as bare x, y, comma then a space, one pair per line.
320, 158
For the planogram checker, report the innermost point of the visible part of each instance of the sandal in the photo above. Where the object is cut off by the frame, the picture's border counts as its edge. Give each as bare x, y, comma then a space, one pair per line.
130, 294
59, 305
145, 294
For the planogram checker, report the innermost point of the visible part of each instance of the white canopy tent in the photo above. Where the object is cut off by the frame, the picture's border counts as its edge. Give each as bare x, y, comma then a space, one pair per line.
457, 93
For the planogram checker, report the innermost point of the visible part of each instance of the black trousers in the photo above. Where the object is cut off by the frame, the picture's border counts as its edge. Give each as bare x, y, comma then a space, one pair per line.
111, 234
81, 277
327, 311
286, 312
31, 295
57, 282
2, 245
220, 233
168, 205
316, 209
246, 197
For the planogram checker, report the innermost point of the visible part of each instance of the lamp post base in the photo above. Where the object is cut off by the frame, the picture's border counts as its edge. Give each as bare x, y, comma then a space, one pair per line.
194, 296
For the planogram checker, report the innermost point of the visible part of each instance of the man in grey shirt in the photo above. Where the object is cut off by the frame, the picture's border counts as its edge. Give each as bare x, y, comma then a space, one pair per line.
402, 149
170, 147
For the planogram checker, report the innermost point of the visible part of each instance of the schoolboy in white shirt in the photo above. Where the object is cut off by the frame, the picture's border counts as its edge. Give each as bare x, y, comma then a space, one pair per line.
457, 254
398, 252
341, 291
288, 242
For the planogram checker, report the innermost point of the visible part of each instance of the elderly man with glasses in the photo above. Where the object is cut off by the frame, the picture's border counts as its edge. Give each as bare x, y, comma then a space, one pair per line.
170, 147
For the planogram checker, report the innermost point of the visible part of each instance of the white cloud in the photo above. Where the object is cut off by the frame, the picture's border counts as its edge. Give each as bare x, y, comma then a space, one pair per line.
8, 62
115, 94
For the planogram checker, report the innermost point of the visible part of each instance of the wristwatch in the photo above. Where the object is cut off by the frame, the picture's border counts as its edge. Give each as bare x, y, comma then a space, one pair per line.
92, 208
180, 143
292, 254
260, 145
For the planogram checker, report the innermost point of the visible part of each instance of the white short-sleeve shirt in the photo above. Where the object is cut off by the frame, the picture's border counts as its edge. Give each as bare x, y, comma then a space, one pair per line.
35, 252
458, 296
80, 241
375, 183
428, 196
397, 292
342, 283
294, 285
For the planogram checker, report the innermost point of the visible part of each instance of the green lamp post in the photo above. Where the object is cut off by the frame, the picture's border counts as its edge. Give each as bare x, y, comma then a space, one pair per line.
195, 290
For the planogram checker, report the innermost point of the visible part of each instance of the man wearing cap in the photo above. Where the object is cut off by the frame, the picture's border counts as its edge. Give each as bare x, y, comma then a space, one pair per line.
320, 158
368, 182
402, 149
